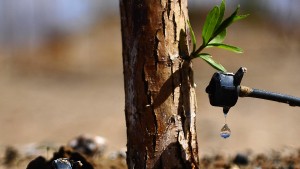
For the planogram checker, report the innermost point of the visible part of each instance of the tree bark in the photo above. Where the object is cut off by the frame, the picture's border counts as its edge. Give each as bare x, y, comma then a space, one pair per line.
160, 100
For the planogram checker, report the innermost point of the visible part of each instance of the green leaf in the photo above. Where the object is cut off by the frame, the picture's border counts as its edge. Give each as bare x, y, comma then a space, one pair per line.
240, 17
210, 24
208, 58
194, 41
219, 38
227, 47
221, 14
227, 22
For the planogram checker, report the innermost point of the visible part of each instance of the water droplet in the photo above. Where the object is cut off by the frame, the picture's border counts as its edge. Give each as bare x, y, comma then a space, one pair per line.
225, 131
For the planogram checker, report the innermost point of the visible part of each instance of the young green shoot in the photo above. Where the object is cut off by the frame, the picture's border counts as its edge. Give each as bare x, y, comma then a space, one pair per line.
214, 33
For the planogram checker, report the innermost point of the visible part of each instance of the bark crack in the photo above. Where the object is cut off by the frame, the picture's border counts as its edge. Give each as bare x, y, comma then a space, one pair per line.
173, 83
169, 8
179, 1
163, 23
155, 49
146, 158
175, 28
182, 100
154, 139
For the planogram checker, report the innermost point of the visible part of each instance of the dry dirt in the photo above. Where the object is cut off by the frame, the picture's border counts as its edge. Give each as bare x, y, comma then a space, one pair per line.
50, 96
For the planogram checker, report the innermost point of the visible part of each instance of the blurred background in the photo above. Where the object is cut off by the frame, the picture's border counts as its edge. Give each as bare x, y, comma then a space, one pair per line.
61, 74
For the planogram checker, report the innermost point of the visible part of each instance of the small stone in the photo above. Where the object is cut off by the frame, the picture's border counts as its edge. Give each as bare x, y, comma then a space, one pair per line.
241, 159
62, 163
89, 145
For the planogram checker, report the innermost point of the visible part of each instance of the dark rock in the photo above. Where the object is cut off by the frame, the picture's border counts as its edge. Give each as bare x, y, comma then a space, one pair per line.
38, 163
88, 145
64, 152
241, 159
10, 156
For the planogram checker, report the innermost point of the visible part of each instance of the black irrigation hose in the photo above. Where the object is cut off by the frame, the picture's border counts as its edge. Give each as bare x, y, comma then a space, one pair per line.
262, 94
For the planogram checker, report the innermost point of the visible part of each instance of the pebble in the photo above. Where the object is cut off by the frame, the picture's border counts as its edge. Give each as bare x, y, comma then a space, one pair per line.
89, 145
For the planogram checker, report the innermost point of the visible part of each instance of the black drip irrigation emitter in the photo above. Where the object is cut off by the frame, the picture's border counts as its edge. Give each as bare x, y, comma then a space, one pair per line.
224, 90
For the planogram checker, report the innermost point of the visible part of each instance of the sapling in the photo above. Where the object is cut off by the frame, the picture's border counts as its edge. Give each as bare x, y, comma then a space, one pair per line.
214, 33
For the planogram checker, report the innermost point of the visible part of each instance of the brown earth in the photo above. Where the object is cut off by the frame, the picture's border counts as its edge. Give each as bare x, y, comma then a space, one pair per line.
75, 85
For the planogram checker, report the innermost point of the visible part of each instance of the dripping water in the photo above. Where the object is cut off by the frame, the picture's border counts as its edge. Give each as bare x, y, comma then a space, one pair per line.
225, 130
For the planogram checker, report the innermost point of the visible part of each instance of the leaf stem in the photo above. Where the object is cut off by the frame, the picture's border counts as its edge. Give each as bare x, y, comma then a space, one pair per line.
194, 54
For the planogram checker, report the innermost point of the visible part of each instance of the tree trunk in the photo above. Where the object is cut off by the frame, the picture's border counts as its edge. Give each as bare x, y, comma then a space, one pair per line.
160, 100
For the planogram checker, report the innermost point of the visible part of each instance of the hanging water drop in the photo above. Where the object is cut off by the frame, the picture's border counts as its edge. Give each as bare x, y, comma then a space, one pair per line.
225, 131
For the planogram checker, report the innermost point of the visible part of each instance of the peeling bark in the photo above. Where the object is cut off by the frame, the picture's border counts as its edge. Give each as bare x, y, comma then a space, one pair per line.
160, 100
